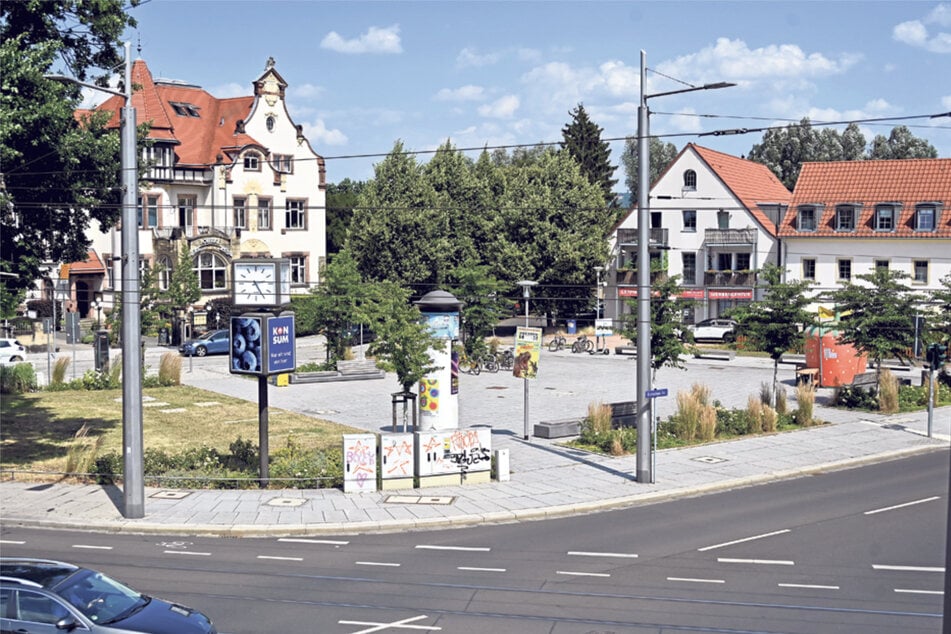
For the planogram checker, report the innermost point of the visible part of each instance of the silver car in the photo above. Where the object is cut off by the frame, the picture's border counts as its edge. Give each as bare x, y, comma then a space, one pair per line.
11, 352
39, 596
716, 329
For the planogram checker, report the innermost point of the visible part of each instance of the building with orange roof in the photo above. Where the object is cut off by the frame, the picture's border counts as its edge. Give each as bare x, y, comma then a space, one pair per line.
847, 218
228, 178
713, 222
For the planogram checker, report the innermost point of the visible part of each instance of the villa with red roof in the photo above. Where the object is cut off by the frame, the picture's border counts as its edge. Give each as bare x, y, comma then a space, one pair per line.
713, 221
848, 218
229, 178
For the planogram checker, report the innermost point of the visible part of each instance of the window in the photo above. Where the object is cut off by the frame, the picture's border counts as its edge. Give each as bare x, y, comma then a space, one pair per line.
240, 213
724, 261
881, 264
295, 215
210, 269
808, 268
298, 269
885, 218
723, 219
252, 162
742, 261
284, 163
157, 156
925, 218
186, 213
264, 214
148, 217
690, 267
184, 109
845, 218
690, 220
164, 272
920, 273
38, 608
690, 180
269, 122
845, 269
807, 218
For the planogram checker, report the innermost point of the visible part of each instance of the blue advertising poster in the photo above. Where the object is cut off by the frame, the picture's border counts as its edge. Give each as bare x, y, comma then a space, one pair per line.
443, 325
281, 345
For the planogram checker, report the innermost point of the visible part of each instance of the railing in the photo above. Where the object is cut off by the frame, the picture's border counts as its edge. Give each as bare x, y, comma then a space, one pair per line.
718, 237
729, 278
178, 175
629, 276
657, 236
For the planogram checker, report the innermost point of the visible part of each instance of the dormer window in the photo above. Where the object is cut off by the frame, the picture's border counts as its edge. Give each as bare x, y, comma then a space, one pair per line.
252, 162
925, 218
690, 180
184, 109
845, 218
807, 219
885, 218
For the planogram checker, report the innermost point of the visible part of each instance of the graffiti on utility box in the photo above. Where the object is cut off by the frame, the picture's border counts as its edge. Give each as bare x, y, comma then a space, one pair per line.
453, 451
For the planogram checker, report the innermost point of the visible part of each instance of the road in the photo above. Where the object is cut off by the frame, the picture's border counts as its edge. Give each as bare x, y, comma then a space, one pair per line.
859, 550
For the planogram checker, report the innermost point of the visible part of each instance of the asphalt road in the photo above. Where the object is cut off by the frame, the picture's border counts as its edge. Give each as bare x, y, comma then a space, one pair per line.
860, 550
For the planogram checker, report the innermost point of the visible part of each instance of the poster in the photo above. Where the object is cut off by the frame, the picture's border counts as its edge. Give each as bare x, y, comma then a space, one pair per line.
528, 346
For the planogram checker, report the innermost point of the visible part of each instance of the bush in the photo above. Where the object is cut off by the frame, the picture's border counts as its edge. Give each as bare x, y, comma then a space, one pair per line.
781, 406
887, 392
170, 369
855, 397
59, 371
806, 398
307, 468
695, 417
17, 379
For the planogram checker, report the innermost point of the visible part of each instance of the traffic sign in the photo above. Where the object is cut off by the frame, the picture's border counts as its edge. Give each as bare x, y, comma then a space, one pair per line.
661, 391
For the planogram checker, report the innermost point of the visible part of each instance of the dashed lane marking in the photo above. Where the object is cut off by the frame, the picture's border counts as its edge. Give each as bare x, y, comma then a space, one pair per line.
743, 540
901, 506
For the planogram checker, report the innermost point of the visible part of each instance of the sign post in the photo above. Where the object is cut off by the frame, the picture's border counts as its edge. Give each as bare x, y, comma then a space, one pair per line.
651, 395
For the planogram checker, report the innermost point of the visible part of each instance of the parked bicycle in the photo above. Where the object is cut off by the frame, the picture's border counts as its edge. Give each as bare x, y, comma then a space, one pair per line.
490, 363
582, 344
506, 358
469, 365
558, 343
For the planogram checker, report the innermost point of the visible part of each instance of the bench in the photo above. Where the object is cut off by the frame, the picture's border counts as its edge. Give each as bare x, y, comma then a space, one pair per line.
366, 366
722, 355
865, 380
346, 371
623, 414
558, 428
796, 359
809, 376
631, 350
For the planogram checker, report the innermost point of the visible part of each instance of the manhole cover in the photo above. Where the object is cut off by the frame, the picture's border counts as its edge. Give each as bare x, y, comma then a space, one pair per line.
286, 502
709, 459
171, 495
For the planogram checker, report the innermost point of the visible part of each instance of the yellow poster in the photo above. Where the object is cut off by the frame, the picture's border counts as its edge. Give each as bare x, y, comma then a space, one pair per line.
528, 347
429, 397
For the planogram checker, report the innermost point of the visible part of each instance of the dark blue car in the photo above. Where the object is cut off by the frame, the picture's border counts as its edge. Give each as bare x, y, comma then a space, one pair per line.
212, 342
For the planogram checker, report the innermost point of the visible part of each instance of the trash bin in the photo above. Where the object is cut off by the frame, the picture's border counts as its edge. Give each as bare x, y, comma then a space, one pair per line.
572, 327
163, 336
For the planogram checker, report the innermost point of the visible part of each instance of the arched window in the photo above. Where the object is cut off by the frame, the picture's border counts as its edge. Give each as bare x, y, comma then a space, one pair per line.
690, 180
211, 269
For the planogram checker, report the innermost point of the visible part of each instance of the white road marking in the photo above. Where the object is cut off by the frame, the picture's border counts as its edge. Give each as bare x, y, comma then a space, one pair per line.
582, 553
906, 591
186, 552
11, 541
403, 625
693, 580
901, 506
807, 586
472, 549
281, 558
581, 574
377, 563
740, 541
473, 569
763, 562
296, 540
908, 568
87, 547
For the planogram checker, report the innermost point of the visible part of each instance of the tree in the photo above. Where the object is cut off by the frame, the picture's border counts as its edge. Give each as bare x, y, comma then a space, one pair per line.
784, 150
341, 199
775, 323
881, 319
339, 301
667, 346
483, 301
184, 288
582, 140
661, 155
901, 144
59, 175
941, 327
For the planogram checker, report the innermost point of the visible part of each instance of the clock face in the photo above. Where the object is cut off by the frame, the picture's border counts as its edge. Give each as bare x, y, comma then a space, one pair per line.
255, 283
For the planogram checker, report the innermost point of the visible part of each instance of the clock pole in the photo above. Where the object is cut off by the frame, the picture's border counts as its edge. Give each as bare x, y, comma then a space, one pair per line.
262, 430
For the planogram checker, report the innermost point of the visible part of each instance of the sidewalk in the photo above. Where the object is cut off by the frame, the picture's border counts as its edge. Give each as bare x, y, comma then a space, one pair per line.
547, 480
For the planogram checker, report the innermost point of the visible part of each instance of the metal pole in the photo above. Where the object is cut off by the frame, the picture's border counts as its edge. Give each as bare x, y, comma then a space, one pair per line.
932, 397
526, 291
262, 429
644, 471
133, 488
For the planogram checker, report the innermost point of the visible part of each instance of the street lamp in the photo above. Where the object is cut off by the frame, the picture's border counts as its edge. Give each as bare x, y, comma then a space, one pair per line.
526, 294
133, 488
644, 423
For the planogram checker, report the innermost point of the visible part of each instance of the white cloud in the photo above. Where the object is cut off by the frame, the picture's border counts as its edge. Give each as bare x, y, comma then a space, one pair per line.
946, 101
306, 91
915, 32
319, 135
233, 89
620, 79
503, 108
375, 40
463, 93
471, 57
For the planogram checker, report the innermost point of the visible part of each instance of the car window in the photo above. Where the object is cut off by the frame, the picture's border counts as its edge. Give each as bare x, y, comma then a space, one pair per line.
99, 597
39, 608
6, 603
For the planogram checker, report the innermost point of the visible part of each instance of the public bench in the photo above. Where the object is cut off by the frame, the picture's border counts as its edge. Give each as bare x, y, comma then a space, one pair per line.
631, 350
346, 371
721, 355
623, 414
809, 376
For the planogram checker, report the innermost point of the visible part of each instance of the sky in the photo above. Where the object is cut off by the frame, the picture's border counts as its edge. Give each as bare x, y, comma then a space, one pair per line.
363, 75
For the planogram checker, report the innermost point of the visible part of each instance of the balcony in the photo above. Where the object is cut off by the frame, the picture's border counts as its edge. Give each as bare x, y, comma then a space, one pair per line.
657, 237
728, 237
629, 276
178, 175
729, 278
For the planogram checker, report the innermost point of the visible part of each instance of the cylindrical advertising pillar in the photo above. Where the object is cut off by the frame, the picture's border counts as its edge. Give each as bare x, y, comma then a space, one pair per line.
439, 390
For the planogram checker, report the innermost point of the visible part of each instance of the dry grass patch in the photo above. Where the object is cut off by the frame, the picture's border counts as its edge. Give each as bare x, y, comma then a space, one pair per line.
40, 428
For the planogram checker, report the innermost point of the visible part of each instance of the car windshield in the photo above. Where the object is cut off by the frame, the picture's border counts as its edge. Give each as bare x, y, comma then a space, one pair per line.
100, 598
207, 336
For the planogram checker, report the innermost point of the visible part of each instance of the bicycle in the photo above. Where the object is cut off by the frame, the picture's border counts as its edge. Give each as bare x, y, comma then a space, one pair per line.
490, 363
582, 344
506, 359
558, 343
470, 365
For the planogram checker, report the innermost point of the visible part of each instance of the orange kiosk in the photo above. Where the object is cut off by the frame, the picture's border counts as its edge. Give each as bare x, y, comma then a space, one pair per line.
837, 363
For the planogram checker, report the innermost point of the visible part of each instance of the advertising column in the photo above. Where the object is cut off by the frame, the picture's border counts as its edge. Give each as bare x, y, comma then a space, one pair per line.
438, 400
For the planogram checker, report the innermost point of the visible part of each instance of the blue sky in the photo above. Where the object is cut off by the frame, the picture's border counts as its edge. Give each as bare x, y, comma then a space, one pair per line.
364, 74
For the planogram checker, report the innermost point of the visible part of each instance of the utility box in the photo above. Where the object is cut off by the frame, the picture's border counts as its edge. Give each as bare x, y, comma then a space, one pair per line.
503, 471
101, 350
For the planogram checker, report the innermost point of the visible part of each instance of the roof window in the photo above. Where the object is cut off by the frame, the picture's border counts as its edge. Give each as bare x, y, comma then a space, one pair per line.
184, 109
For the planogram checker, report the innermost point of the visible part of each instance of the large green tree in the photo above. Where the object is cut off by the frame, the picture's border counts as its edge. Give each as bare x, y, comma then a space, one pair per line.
339, 301
59, 174
661, 155
342, 197
901, 144
667, 346
582, 139
775, 323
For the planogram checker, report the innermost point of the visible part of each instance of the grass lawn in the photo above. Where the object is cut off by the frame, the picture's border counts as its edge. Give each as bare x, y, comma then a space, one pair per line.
38, 428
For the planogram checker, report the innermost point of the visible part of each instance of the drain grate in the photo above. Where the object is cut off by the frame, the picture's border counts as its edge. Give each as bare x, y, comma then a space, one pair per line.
171, 495
443, 500
709, 459
286, 502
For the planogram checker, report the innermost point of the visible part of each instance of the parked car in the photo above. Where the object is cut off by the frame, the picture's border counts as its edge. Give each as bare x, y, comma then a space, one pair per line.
40, 595
11, 352
716, 329
212, 342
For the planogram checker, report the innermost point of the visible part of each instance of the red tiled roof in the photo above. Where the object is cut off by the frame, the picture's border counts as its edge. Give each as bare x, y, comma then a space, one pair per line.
907, 182
751, 182
199, 139
92, 264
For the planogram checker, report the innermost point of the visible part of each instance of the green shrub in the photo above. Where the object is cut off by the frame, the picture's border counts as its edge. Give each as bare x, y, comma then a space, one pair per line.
307, 468
856, 397
732, 422
17, 379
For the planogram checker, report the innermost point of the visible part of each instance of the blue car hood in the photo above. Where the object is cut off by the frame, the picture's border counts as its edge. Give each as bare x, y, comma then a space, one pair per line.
161, 617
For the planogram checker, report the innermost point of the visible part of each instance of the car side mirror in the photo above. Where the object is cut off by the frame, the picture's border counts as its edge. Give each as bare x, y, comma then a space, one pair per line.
67, 624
